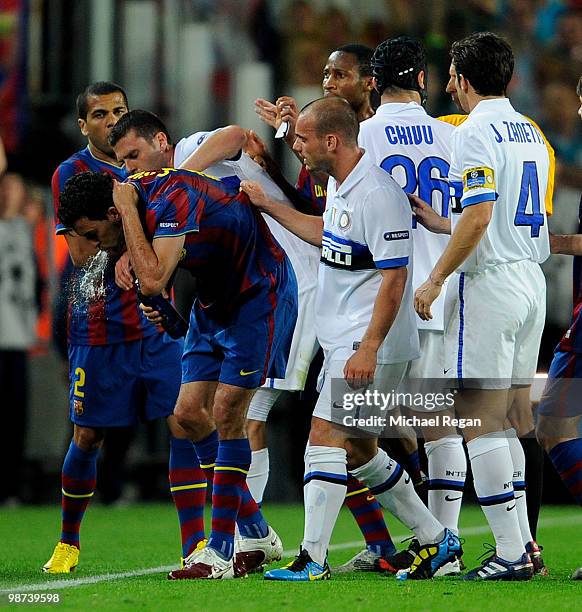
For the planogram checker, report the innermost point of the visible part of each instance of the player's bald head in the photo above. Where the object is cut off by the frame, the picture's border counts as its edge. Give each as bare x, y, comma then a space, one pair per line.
333, 115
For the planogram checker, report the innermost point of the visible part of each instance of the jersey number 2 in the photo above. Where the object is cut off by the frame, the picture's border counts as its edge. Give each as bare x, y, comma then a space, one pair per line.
529, 190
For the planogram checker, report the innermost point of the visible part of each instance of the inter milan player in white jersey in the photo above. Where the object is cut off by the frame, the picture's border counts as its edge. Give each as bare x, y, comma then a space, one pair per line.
365, 326
415, 149
222, 153
499, 238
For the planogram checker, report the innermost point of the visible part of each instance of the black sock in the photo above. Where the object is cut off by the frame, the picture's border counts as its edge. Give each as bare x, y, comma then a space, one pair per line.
534, 478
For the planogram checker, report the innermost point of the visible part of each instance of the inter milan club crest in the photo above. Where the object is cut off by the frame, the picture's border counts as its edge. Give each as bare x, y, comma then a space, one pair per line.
78, 407
344, 220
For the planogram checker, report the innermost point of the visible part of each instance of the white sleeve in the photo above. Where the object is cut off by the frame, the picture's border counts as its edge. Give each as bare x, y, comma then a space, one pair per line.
387, 222
474, 162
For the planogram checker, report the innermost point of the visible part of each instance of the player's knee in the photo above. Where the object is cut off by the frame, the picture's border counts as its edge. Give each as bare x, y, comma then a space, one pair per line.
88, 438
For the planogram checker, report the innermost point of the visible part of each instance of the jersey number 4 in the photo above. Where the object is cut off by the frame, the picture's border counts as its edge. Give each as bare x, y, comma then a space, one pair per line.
430, 177
529, 191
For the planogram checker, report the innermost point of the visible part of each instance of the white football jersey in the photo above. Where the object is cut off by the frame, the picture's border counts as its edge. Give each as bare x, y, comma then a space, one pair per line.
498, 154
367, 227
304, 257
415, 149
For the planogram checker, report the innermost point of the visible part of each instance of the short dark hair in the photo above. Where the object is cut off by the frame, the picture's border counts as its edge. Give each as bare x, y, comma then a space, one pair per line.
486, 61
142, 122
87, 194
363, 55
334, 115
579, 87
397, 62
100, 88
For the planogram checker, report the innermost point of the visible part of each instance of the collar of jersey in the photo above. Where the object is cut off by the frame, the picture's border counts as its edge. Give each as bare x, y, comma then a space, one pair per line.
487, 106
102, 161
393, 108
358, 173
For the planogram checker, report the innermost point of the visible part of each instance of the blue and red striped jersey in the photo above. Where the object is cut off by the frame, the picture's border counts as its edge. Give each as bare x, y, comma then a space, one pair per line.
312, 190
228, 247
110, 315
572, 340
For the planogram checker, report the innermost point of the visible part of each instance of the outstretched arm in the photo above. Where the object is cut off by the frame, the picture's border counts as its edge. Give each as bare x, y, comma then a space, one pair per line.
306, 227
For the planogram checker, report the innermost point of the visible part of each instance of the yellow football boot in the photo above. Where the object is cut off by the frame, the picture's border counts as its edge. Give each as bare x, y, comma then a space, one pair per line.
64, 560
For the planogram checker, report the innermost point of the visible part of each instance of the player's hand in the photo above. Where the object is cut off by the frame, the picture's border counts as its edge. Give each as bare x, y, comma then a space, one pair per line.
360, 367
123, 276
124, 196
256, 149
267, 111
288, 111
424, 297
256, 194
153, 316
428, 217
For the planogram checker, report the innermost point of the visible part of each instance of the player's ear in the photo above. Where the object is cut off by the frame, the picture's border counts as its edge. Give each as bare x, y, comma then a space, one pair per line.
369, 83
113, 214
162, 141
421, 77
83, 126
332, 142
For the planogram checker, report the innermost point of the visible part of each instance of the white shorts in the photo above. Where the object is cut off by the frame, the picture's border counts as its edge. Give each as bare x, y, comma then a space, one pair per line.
424, 377
333, 388
495, 325
304, 345
430, 364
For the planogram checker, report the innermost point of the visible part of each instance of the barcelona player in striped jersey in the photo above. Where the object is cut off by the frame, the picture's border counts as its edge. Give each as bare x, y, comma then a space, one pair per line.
241, 324
121, 368
559, 423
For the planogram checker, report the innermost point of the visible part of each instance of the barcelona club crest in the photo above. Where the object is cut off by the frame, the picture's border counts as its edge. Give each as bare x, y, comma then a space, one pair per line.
78, 407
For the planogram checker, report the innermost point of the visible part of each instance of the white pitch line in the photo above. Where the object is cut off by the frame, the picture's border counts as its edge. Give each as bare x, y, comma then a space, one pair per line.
52, 585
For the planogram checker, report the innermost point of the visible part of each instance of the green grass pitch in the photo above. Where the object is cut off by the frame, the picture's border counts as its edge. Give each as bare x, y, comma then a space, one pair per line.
141, 542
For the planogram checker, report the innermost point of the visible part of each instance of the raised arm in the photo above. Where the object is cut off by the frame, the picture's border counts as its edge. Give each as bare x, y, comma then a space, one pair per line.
223, 144
155, 263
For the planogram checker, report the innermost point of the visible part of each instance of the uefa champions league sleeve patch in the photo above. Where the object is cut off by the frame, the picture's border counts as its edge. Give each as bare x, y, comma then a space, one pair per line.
478, 178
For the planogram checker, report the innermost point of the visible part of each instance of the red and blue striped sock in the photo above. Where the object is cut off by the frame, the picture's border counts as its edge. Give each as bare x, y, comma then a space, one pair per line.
188, 489
207, 449
250, 520
79, 478
567, 459
232, 466
370, 518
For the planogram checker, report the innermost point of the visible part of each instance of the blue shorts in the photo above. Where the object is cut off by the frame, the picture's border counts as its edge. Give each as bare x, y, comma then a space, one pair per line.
255, 342
122, 384
562, 396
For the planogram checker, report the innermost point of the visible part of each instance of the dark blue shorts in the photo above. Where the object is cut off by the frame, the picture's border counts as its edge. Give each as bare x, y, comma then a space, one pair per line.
562, 396
255, 342
122, 384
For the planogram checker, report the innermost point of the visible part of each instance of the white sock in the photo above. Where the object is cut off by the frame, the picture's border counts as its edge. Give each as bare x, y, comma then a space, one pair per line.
324, 491
258, 474
447, 470
393, 488
493, 478
518, 458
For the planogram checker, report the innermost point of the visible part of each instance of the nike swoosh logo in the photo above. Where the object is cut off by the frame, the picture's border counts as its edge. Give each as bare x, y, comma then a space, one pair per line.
370, 498
447, 370
510, 508
243, 373
407, 479
447, 498
337, 405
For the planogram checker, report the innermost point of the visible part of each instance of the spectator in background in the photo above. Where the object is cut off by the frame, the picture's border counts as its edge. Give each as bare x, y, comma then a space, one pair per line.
17, 329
